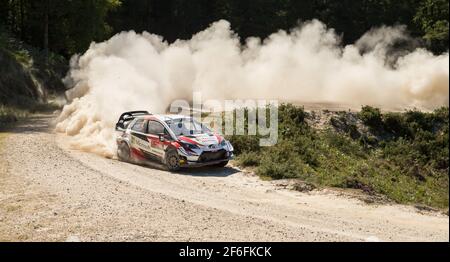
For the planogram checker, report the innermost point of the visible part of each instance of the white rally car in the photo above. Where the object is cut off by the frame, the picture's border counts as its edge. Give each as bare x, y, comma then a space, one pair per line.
176, 141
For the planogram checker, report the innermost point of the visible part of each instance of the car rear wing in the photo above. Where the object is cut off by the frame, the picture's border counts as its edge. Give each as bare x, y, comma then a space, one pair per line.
127, 117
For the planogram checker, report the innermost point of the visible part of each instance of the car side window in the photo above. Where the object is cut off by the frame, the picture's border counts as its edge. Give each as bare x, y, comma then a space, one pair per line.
140, 126
155, 128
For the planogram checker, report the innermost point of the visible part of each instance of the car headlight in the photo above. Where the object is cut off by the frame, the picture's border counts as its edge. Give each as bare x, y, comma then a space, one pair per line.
227, 144
230, 146
189, 146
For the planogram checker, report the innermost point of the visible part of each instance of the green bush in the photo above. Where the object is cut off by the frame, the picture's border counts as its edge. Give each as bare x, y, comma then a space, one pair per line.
395, 123
282, 161
371, 117
406, 158
288, 113
344, 144
244, 144
10, 115
249, 159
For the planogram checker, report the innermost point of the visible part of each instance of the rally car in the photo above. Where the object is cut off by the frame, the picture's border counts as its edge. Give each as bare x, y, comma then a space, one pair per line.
176, 141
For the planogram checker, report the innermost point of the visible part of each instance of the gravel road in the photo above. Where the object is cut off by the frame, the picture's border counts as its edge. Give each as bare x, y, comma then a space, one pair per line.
50, 192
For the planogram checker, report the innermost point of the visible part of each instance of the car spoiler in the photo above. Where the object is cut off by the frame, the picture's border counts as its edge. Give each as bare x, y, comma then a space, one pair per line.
127, 117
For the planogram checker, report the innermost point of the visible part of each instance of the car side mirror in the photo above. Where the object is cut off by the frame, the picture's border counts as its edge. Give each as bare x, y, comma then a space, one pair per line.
162, 137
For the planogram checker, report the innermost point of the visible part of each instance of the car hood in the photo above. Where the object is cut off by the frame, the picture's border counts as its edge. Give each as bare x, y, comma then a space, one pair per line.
202, 139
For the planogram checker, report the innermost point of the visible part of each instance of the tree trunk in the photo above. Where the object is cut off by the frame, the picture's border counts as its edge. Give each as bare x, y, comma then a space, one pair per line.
13, 16
46, 11
22, 24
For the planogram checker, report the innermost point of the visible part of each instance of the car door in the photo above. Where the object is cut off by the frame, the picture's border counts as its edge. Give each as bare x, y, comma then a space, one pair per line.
139, 141
154, 130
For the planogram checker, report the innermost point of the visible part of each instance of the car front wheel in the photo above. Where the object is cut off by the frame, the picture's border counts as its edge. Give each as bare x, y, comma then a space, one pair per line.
172, 160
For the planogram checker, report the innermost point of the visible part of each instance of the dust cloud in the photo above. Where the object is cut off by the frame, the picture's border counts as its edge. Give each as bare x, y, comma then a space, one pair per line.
134, 71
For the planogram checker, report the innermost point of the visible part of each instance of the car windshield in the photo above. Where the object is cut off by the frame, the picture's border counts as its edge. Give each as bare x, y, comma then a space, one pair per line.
187, 127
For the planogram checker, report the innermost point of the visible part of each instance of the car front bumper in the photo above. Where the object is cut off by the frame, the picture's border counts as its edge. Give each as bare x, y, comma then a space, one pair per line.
201, 164
197, 160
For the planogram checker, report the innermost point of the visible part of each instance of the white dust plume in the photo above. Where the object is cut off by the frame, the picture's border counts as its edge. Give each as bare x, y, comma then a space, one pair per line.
141, 71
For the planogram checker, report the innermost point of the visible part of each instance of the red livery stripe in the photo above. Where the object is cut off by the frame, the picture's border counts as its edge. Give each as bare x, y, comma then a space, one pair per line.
137, 153
188, 140
219, 138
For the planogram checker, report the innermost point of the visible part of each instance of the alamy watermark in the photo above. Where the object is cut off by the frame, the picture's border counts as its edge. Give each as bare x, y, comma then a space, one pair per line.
234, 117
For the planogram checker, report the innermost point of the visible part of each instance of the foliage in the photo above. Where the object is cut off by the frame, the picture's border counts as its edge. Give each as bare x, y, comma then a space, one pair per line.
27, 74
249, 158
409, 164
73, 25
371, 117
432, 18
10, 115
21, 110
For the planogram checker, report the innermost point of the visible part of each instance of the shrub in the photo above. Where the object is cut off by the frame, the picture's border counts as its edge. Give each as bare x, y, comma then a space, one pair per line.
288, 113
344, 144
244, 144
249, 159
278, 167
419, 120
396, 124
407, 158
371, 117
10, 115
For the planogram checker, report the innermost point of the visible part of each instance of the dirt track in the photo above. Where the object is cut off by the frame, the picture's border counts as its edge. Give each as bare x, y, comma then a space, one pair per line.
53, 193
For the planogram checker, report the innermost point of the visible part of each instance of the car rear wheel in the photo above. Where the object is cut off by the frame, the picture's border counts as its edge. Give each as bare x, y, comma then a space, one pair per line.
123, 152
172, 160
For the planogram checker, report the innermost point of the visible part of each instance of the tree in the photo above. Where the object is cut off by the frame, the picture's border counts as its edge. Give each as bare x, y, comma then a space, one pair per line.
46, 14
432, 18
73, 25
62, 26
